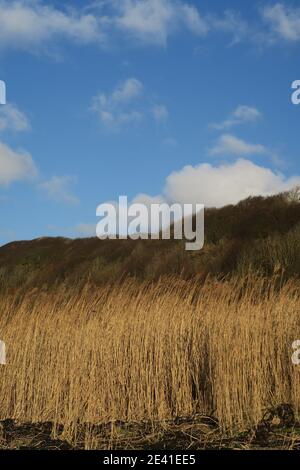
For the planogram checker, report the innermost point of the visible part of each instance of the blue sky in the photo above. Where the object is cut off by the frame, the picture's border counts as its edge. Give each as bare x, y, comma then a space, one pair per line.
186, 101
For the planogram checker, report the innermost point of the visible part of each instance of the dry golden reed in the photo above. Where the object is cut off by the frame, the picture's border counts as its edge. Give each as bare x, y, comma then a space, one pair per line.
137, 352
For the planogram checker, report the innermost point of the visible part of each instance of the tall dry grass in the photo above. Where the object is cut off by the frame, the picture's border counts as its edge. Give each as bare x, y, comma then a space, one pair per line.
150, 352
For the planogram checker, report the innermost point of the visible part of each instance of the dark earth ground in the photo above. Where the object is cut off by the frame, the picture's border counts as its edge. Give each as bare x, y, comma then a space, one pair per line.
278, 430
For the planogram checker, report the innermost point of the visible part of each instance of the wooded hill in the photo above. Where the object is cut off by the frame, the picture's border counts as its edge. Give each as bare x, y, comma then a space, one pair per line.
260, 234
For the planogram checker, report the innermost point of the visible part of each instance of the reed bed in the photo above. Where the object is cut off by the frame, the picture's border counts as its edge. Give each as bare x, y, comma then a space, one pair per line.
150, 352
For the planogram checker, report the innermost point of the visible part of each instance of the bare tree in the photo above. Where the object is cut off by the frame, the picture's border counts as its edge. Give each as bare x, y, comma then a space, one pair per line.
293, 195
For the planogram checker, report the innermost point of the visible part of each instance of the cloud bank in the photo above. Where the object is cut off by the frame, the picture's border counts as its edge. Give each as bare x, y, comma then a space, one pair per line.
219, 185
32, 25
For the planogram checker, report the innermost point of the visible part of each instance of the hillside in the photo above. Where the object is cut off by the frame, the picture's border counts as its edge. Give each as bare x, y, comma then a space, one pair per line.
261, 234
171, 364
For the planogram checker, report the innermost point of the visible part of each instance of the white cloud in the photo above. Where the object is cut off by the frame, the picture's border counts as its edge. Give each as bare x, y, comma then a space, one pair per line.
126, 104
241, 115
11, 118
228, 144
216, 186
30, 24
57, 189
27, 24
114, 109
284, 21
160, 113
153, 21
15, 166
127, 91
